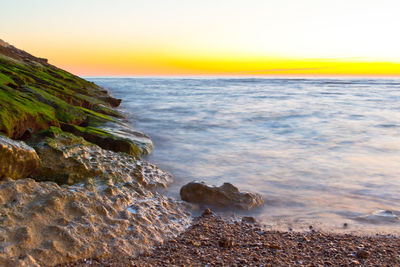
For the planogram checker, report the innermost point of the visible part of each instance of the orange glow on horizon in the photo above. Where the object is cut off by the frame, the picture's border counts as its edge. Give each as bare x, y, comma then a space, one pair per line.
225, 37
158, 65
131, 60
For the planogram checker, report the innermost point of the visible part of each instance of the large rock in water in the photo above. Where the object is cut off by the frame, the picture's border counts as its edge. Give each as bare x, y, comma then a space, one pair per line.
225, 196
17, 160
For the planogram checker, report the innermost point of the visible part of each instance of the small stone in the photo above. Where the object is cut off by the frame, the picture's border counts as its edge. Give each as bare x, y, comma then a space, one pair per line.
206, 212
362, 254
249, 219
195, 243
225, 242
242, 261
274, 246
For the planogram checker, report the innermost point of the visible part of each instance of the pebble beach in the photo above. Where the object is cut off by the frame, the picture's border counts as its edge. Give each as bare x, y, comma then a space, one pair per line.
213, 241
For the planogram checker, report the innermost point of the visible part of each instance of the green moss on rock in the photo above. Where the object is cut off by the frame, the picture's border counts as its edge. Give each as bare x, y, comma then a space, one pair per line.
104, 139
35, 95
19, 113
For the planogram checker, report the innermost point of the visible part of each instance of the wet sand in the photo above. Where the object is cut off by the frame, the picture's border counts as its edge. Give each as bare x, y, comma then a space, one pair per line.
213, 241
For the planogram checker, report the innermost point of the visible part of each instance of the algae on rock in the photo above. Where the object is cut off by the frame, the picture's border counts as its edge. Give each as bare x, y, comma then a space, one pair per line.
105, 140
35, 95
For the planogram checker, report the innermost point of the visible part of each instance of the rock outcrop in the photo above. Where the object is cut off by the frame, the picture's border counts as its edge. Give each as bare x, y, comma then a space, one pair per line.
68, 159
225, 196
46, 224
92, 196
35, 95
106, 140
123, 131
17, 160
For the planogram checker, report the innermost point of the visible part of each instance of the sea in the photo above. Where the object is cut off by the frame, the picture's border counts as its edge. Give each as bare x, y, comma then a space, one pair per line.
324, 153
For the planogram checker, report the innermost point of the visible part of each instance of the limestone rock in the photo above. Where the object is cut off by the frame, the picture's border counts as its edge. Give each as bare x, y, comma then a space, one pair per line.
225, 196
59, 161
68, 159
43, 224
17, 160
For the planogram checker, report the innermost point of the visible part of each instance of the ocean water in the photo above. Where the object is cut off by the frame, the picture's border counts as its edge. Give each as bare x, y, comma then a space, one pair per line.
322, 152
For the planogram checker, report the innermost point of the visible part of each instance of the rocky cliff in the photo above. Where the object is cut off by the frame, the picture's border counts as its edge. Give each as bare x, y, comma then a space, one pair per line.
91, 195
35, 95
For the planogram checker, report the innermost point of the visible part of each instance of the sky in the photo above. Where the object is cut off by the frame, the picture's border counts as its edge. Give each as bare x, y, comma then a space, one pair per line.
208, 37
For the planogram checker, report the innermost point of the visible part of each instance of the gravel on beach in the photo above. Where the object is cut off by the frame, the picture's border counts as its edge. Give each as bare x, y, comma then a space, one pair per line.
213, 241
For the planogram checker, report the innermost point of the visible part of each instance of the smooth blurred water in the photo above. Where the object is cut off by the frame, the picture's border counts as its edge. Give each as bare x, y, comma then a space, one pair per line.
321, 151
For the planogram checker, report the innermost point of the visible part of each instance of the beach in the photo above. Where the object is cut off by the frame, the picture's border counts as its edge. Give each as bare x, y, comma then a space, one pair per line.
212, 241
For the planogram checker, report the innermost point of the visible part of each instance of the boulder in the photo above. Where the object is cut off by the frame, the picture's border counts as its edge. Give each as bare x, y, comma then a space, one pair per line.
17, 160
62, 157
225, 196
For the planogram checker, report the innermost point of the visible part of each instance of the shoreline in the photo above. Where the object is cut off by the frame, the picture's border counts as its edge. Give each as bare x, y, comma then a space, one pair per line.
99, 199
292, 155
213, 241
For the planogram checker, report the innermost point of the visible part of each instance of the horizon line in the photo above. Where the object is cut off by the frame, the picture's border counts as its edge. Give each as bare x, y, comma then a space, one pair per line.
265, 76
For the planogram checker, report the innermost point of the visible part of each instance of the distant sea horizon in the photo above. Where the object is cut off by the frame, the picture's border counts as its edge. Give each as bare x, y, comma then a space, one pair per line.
289, 77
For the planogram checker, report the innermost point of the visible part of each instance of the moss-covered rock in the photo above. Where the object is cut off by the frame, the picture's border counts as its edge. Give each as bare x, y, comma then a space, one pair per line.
104, 139
35, 95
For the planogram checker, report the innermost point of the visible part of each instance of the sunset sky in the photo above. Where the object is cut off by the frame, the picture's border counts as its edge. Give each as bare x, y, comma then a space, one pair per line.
209, 37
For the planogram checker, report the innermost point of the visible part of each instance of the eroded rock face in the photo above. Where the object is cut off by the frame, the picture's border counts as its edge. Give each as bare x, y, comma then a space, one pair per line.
46, 224
61, 159
17, 160
68, 159
114, 102
225, 196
